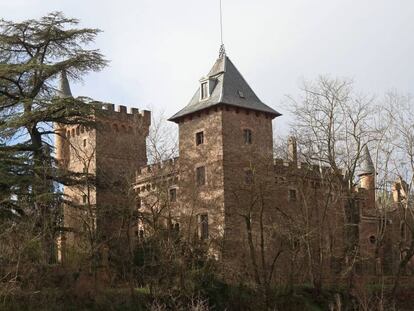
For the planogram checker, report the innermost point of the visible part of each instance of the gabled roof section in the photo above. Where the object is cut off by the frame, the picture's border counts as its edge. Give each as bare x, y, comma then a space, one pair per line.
229, 87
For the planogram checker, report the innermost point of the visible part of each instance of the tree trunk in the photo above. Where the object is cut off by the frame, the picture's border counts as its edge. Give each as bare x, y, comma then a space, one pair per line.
252, 251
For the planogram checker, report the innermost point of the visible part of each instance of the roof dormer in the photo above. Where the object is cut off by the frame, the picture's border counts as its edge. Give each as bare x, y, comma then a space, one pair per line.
206, 87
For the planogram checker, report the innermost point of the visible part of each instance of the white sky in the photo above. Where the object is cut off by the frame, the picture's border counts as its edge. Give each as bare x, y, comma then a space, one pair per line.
160, 49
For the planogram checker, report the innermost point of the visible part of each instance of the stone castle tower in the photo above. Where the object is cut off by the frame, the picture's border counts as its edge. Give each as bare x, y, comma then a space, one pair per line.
225, 138
110, 154
367, 176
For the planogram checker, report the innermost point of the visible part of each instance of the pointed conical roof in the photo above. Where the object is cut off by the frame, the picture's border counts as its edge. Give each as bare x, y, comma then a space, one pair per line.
366, 165
64, 87
230, 88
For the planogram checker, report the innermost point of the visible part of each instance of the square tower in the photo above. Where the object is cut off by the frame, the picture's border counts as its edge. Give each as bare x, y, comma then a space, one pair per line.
225, 140
106, 157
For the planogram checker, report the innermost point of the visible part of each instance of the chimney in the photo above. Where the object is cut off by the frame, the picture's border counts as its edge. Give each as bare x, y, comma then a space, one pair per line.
292, 150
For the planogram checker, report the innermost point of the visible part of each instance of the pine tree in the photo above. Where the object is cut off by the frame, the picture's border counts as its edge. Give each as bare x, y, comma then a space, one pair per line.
33, 54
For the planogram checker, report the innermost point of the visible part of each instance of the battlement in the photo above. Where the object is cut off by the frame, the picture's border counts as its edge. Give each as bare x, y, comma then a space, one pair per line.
117, 118
122, 113
301, 168
157, 169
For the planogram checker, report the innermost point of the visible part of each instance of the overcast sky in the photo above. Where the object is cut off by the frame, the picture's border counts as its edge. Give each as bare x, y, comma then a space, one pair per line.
160, 49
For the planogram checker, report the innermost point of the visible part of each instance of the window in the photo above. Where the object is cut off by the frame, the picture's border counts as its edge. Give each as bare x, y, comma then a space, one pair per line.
292, 195
173, 195
177, 227
204, 90
84, 142
201, 175
84, 199
199, 138
248, 177
247, 136
203, 226
138, 202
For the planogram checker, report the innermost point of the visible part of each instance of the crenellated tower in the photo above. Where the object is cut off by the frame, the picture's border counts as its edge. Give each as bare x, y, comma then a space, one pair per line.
107, 156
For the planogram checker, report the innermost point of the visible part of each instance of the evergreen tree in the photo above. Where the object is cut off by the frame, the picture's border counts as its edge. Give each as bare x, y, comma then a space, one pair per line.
33, 54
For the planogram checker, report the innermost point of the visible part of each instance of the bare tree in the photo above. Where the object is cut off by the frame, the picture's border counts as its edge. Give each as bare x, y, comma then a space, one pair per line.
333, 125
399, 114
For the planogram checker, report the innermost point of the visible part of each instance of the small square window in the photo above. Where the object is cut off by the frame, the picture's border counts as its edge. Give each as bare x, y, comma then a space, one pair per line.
204, 90
247, 136
201, 175
173, 195
199, 138
292, 195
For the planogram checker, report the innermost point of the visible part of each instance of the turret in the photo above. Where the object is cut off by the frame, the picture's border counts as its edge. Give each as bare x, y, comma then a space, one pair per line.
367, 176
63, 92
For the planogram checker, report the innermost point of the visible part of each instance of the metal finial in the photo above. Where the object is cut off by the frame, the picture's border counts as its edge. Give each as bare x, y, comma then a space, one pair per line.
222, 52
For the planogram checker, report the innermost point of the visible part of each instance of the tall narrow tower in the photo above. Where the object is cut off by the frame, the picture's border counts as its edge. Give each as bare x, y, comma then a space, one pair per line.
109, 153
367, 176
225, 139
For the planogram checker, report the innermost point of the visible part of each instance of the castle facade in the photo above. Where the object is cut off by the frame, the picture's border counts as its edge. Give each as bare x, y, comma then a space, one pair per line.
225, 188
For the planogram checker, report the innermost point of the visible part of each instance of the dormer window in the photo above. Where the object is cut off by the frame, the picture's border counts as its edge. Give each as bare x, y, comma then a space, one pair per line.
206, 87
204, 90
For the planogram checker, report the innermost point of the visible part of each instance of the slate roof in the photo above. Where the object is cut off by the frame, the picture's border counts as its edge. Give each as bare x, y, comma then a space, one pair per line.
366, 165
230, 88
64, 87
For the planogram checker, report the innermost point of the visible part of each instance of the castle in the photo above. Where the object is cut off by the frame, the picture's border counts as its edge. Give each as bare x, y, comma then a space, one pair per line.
225, 188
